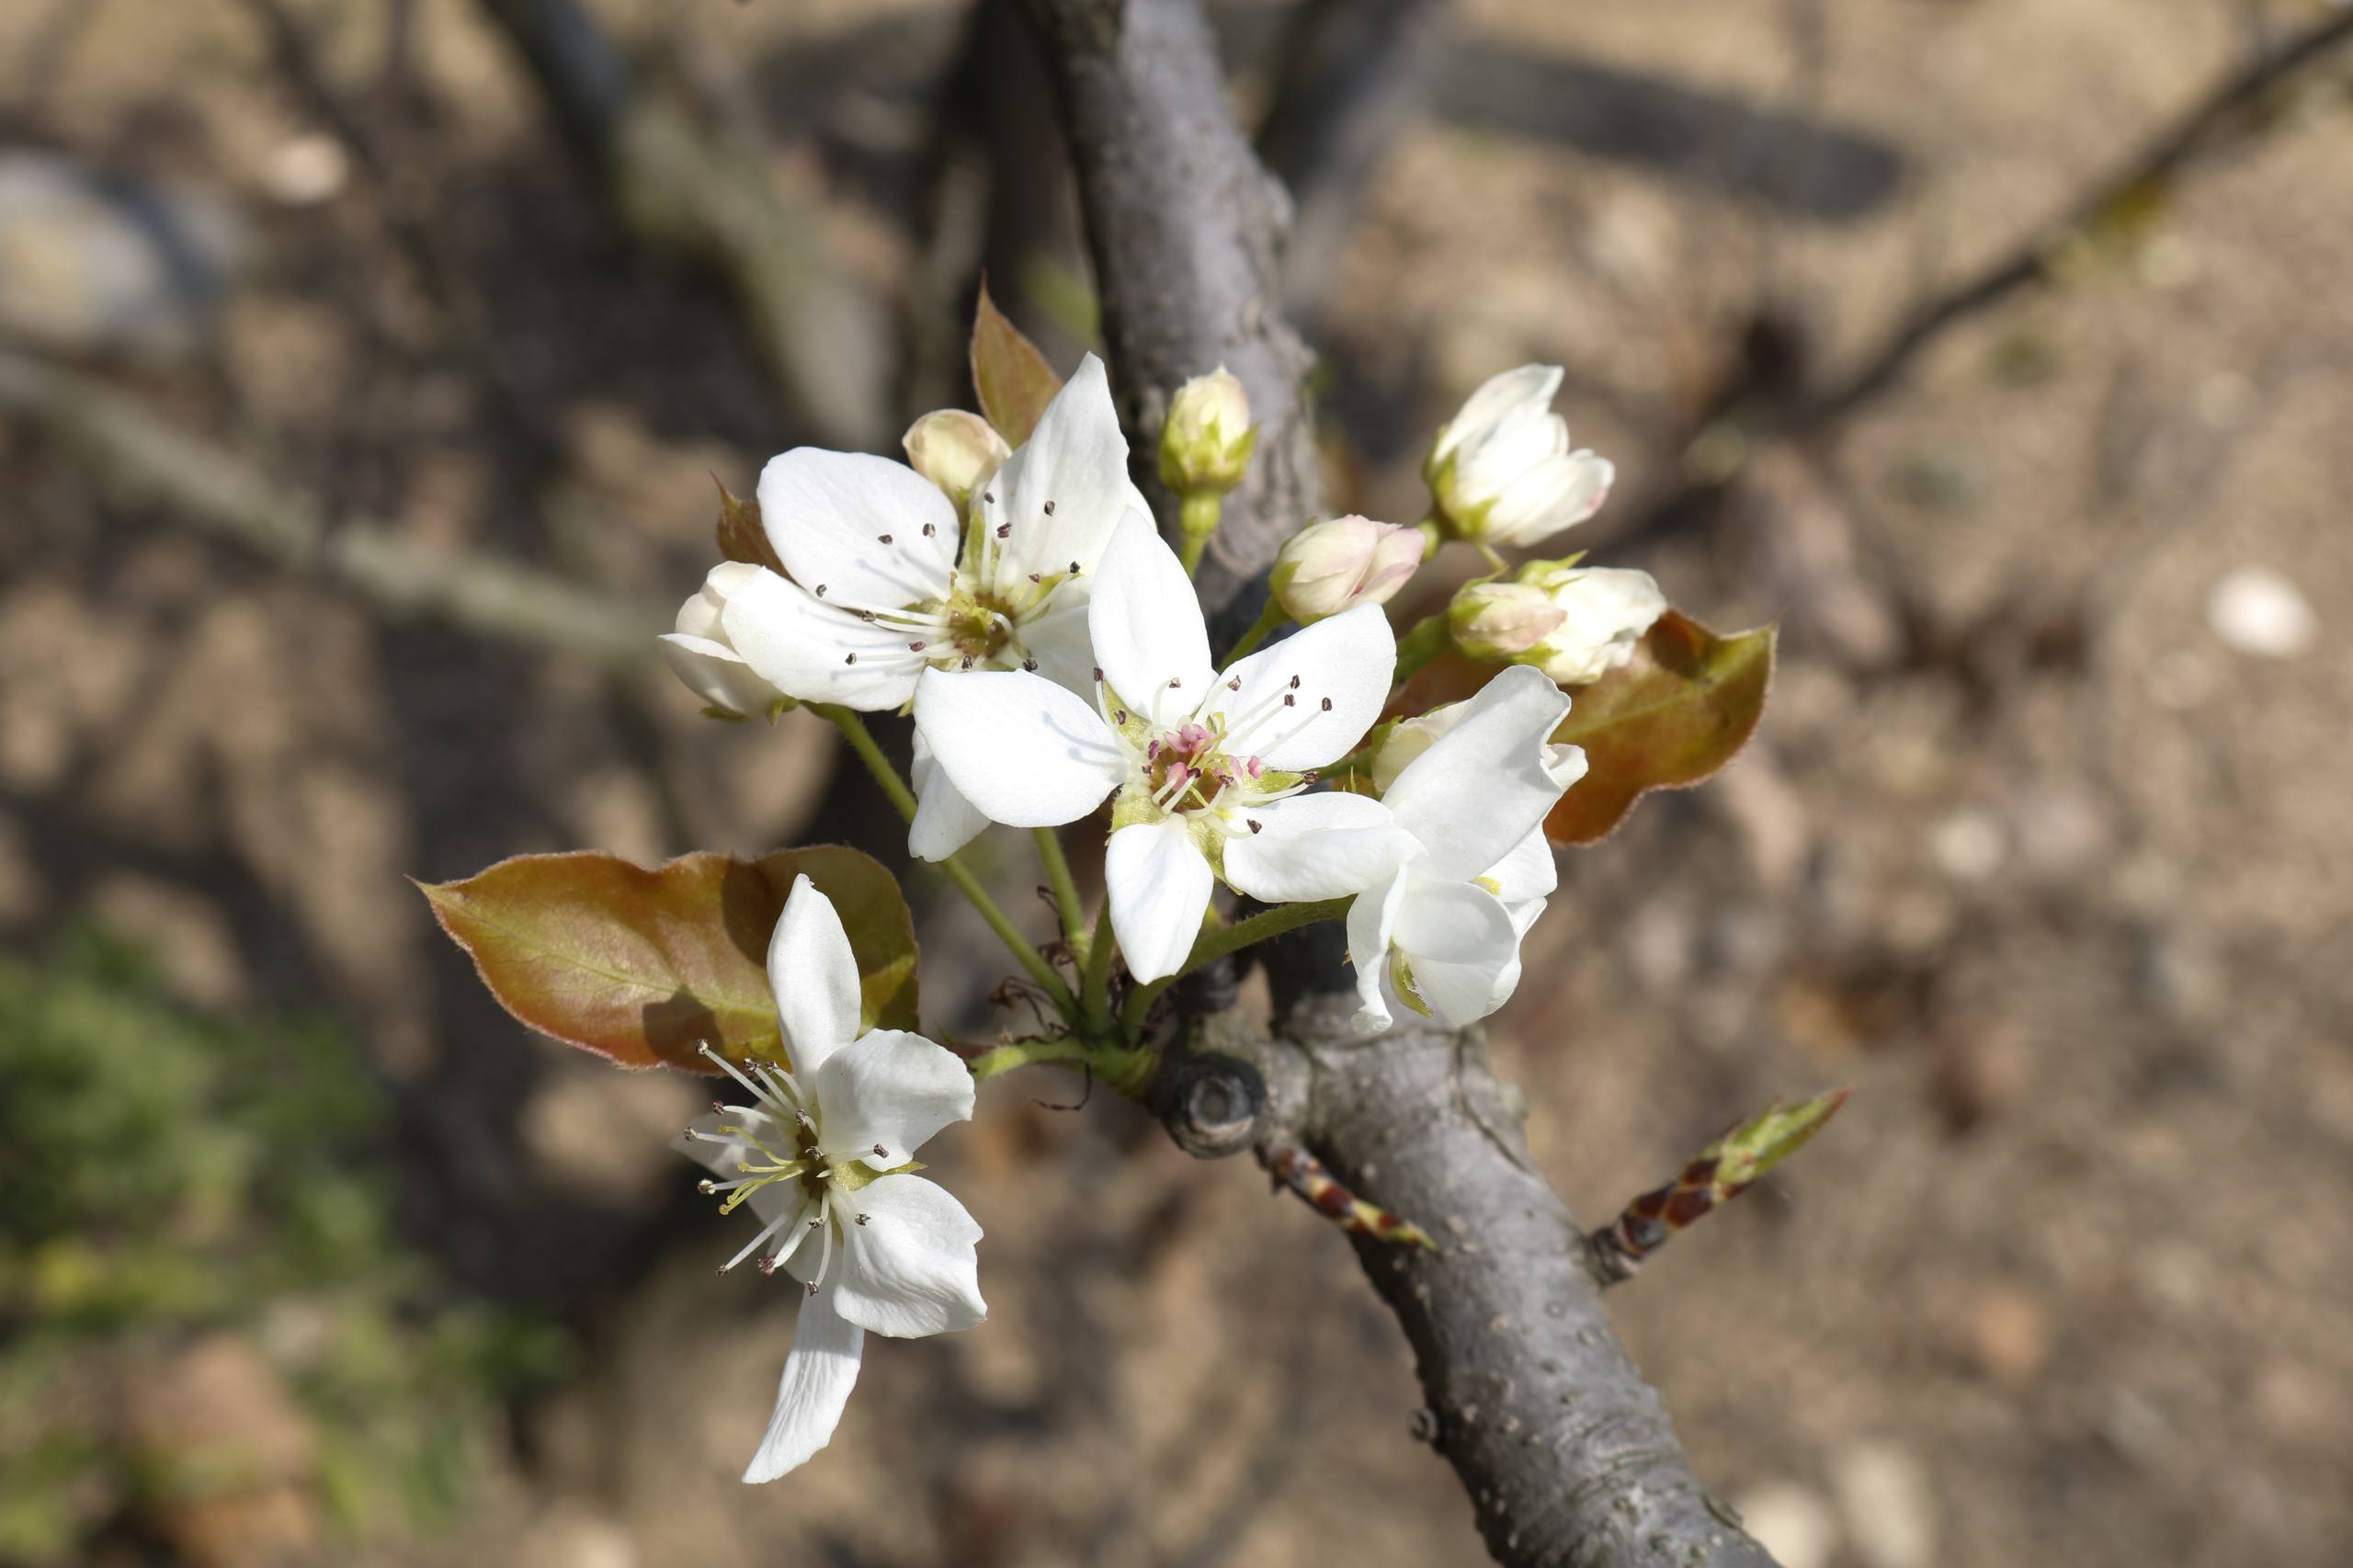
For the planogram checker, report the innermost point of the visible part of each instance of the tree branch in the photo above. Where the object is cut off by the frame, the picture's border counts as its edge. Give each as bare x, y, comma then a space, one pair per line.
1564, 1450
135, 457
678, 187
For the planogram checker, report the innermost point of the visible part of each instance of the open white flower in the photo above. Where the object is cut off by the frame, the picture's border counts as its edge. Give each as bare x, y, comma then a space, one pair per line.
1209, 767
1501, 470
1470, 868
823, 1156
699, 654
877, 589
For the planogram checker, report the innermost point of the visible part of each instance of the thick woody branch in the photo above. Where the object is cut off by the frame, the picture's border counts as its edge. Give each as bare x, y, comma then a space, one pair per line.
678, 187
137, 457
1566, 1451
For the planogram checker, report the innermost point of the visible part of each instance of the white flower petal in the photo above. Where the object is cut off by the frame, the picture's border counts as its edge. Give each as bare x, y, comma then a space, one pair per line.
945, 821
1372, 920
1481, 786
1309, 846
1077, 459
716, 674
912, 1268
882, 1095
809, 649
819, 1372
1159, 888
828, 513
1057, 638
1527, 870
814, 976
1022, 750
1346, 662
1462, 948
1146, 626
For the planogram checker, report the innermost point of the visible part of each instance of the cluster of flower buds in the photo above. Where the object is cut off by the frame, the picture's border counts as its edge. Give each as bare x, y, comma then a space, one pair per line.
1501, 472
1575, 623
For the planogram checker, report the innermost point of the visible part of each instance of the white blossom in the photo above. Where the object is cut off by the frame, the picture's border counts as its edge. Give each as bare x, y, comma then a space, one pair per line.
820, 1156
1211, 767
877, 589
1501, 469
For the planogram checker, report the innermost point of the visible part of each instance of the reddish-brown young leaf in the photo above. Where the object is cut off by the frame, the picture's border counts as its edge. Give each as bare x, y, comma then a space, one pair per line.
641, 966
1012, 378
1678, 712
741, 534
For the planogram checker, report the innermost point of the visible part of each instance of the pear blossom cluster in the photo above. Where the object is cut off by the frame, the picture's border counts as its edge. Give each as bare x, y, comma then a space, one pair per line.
1020, 603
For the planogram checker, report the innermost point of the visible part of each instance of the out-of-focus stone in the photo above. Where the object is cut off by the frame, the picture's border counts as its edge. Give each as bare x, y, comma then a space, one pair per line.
570, 1535
1890, 1509
1797, 1525
1981, 1070
2008, 1334
229, 1456
606, 1135
2257, 611
89, 266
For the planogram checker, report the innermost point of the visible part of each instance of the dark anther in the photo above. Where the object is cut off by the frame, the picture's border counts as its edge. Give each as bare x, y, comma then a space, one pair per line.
813, 1286
867, 616
821, 590
1120, 717
1234, 685
1294, 682
1005, 531
968, 661
917, 648
884, 537
1174, 683
861, 1218
851, 660
1098, 672
1030, 665
881, 1153
1288, 700
1254, 823
1073, 568
1036, 576
989, 496
1050, 509
1327, 705
929, 529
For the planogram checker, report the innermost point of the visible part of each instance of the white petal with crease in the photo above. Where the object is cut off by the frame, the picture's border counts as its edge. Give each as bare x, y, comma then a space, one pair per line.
828, 513
819, 1372
803, 647
1159, 887
1481, 786
1311, 846
1022, 750
1346, 660
886, 1092
814, 976
1146, 626
912, 1268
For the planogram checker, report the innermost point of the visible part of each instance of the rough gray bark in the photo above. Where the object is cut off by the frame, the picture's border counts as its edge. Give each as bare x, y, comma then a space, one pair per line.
1564, 1450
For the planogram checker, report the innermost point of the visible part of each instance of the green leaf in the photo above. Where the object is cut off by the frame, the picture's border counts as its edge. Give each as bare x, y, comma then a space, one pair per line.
643, 966
1012, 378
1759, 1144
1688, 700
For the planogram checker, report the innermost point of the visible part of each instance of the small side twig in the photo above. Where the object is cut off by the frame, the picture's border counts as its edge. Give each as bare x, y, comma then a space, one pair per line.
1716, 1175
135, 457
1292, 1166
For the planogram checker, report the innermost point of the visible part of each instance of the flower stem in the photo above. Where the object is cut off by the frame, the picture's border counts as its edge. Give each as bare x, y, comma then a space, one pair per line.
1074, 913
1427, 641
1196, 515
1494, 559
1095, 991
1215, 945
1274, 615
1121, 1068
861, 740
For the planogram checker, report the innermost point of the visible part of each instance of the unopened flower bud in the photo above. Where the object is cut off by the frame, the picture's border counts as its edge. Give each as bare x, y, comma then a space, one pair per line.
699, 653
1604, 612
1342, 562
1206, 443
958, 452
1497, 621
1501, 470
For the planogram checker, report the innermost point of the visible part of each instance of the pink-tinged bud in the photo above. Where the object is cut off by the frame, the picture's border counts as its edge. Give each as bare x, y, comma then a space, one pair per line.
699, 653
958, 452
1604, 612
1496, 621
1335, 566
1206, 442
